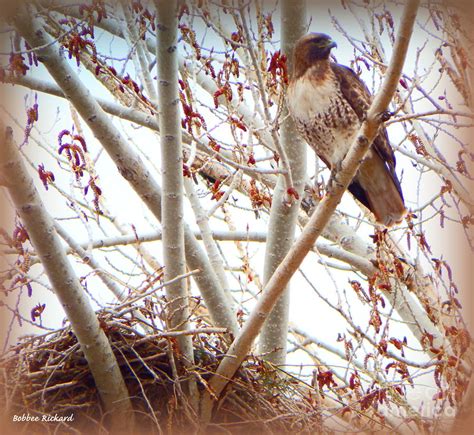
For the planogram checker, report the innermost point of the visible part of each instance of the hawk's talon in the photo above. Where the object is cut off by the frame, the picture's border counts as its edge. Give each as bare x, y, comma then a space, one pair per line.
332, 179
334, 171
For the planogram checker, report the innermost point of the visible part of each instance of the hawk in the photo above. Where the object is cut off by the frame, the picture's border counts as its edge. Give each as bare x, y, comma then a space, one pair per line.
328, 103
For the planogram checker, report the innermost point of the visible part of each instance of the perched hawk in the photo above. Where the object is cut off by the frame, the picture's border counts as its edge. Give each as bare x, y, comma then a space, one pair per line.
328, 102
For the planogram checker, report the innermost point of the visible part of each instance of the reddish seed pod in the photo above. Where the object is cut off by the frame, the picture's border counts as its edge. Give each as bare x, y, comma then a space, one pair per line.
292, 192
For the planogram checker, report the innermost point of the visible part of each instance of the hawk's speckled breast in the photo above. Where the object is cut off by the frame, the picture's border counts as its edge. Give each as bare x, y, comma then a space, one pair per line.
323, 116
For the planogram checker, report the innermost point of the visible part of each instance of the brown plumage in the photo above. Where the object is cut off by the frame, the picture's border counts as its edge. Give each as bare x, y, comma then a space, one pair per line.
328, 102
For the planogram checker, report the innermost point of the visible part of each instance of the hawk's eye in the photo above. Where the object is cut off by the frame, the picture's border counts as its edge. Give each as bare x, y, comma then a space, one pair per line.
319, 42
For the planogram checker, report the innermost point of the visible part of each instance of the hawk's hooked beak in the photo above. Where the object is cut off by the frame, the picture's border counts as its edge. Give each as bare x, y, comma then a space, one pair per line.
331, 44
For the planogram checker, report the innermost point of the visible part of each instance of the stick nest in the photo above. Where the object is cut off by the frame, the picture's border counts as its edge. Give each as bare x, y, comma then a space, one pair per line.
49, 375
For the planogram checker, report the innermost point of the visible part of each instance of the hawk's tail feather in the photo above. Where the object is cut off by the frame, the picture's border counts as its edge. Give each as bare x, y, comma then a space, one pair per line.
379, 190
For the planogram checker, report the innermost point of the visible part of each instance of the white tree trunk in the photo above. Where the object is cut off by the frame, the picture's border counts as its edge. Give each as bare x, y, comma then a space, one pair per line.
172, 218
283, 216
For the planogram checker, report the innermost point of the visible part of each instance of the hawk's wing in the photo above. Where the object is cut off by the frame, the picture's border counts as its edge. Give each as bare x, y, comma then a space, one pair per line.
359, 98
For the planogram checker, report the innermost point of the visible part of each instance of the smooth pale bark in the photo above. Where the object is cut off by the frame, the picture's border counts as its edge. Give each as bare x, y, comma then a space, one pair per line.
284, 216
172, 218
349, 166
42, 235
108, 281
130, 239
127, 161
202, 221
357, 262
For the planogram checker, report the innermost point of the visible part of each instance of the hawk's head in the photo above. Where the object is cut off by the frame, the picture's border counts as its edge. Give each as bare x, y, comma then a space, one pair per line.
311, 50
313, 46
